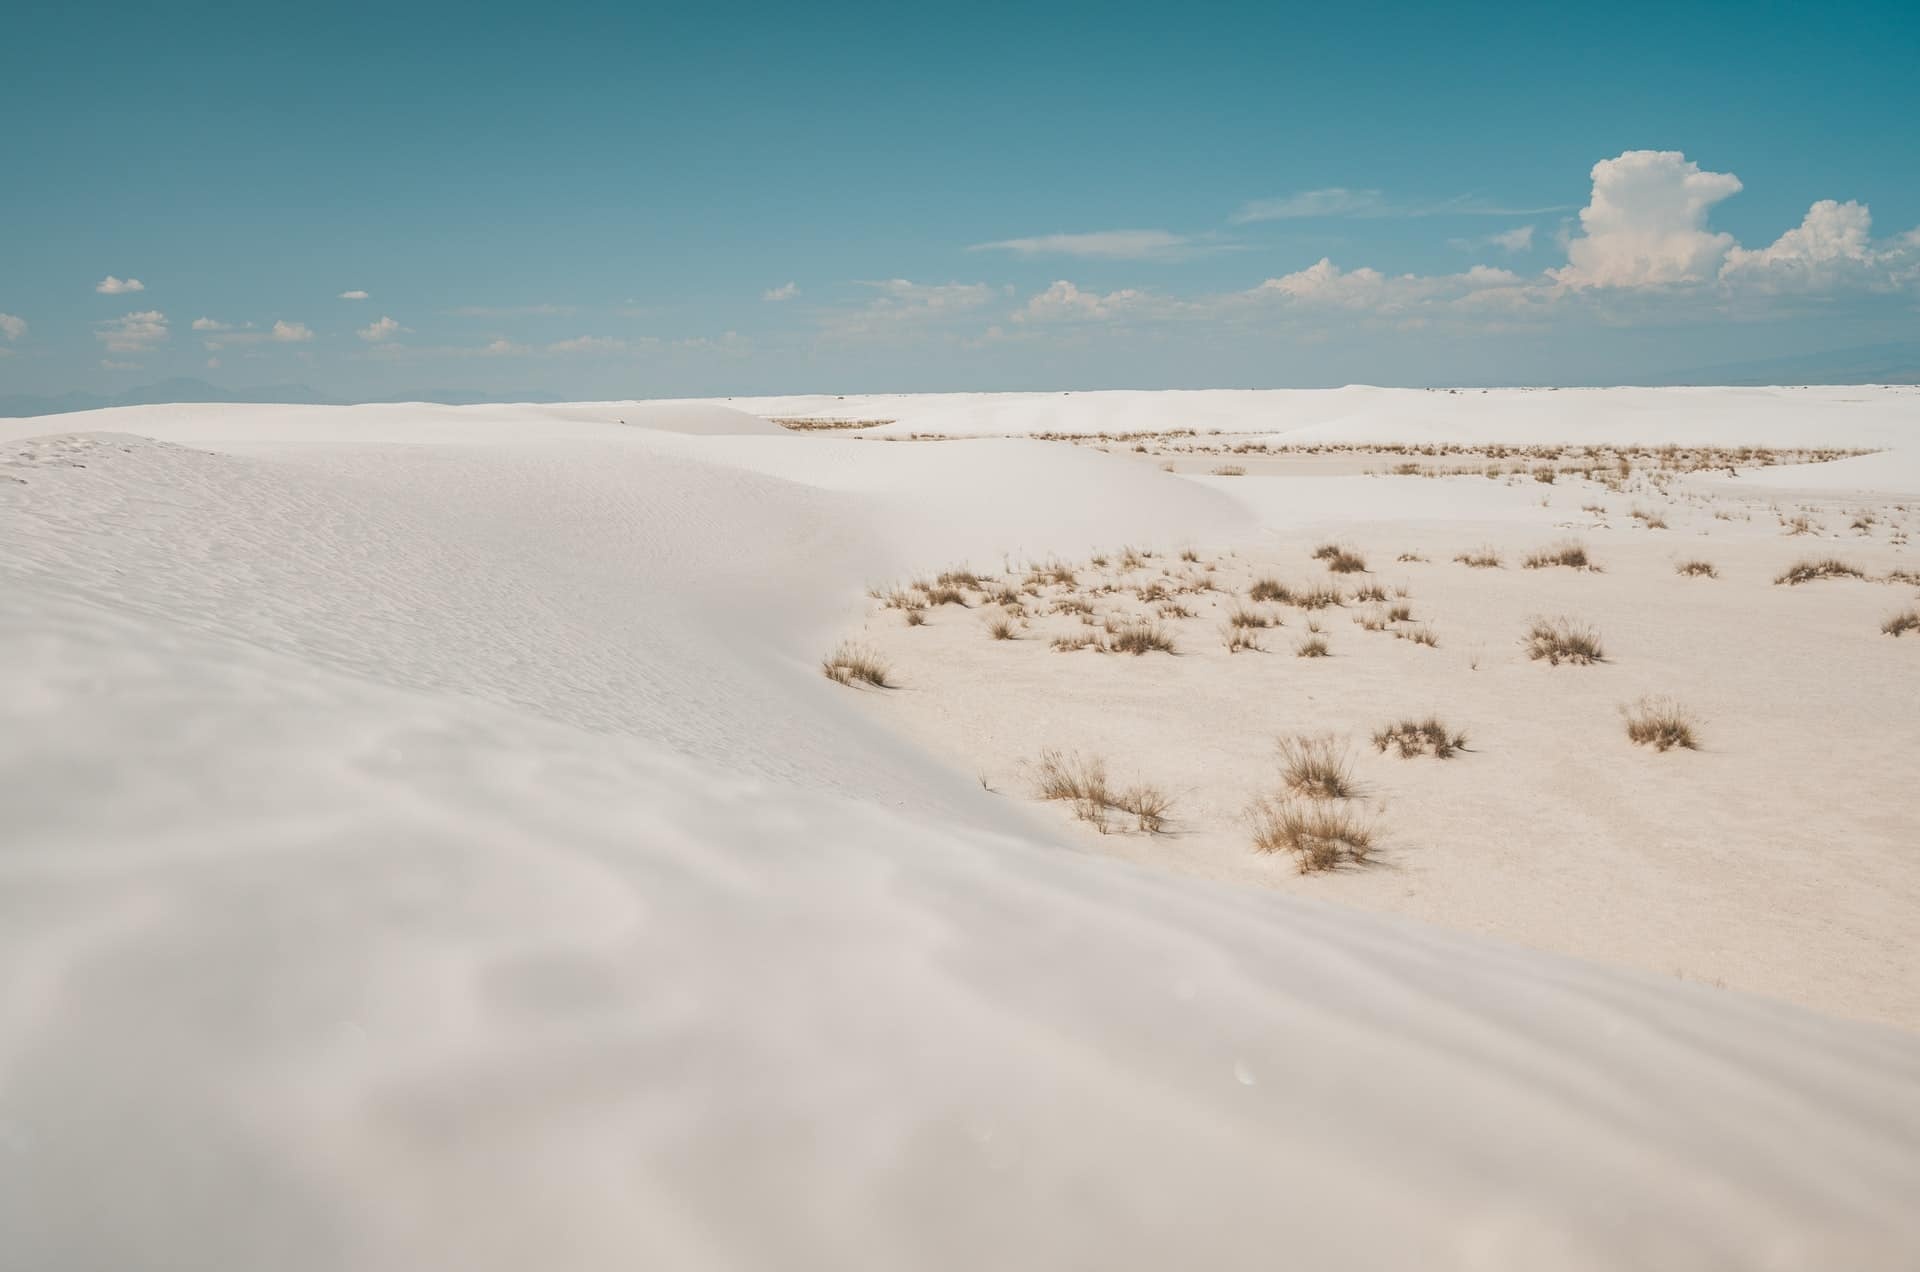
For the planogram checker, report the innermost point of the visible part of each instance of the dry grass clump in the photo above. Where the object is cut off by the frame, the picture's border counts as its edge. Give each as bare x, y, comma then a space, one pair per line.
1189, 555
1401, 613
851, 662
1799, 525
1483, 558
1139, 638
1239, 639
1910, 578
1569, 552
1561, 640
1316, 767
1808, 569
1313, 647
1001, 628
1319, 835
1696, 569
942, 594
1340, 560
1082, 782
1420, 737
1371, 592
1071, 605
1230, 470
1410, 556
960, 578
1078, 641
1174, 609
1902, 623
1270, 590
1419, 635
916, 617
1648, 518
1660, 723
1319, 596
1241, 616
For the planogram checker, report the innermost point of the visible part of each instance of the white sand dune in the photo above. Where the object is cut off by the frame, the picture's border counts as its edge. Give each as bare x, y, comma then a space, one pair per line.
430, 843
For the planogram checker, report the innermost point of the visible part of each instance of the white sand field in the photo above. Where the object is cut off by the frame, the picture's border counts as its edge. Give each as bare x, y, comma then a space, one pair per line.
430, 841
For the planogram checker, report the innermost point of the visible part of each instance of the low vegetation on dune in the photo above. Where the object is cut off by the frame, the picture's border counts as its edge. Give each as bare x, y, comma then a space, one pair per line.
1002, 628
1420, 737
1082, 782
1649, 518
1138, 638
1316, 766
1660, 723
1230, 470
850, 663
1318, 596
1900, 624
1270, 591
1696, 569
1807, 569
1559, 640
1313, 647
1339, 559
1482, 558
1319, 835
1570, 553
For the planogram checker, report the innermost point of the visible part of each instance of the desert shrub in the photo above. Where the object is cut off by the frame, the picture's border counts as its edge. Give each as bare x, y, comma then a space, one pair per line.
1410, 556
1318, 596
1421, 634
1400, 614
1419, 737
1369, 592
1902, 623
1910, 578
941, 594
1080, 640
1561, 640
960, 578
1808, 569
1148, 804
1270, 590
1544, 476
1373, 620
1483, 558
1570, 553
851, 662
1070, 605
1319, 835
1174, 609
1340, 560
1001, 628
1241, 616
916, 617
1696, 569
1188, 554
1316, 767
1660, 723
1313, 647
1649, 518
1230, 470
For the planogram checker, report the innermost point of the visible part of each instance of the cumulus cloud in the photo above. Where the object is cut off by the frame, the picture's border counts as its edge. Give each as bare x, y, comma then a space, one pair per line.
1831, 247
786, 291
1646, 223
111, 286
355, 294
209, 324
1117, 245
1063, 302
133, 333
1325, 285
380, 329
12, 328
291, 332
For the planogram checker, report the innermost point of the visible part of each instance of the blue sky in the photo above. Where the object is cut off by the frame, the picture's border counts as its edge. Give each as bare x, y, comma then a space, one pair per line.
622, 200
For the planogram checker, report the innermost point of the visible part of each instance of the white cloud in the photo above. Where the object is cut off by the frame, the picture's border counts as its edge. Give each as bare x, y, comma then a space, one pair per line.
379, 329
1116, 245
786, 291
588, 344
1646, 223
1065, 302
111, 286
503, 348
1831, 247
355, 294
1514, 241
291, 332
11, 327
209, 324
133, 333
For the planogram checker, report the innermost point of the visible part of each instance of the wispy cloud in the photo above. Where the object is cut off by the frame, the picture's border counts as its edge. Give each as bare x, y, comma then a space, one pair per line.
221, 334
1339, 201
1514, 241
382, 328
900, 303
786, 291
508, 311
1113, 245
11, 327
355, 294
111, 286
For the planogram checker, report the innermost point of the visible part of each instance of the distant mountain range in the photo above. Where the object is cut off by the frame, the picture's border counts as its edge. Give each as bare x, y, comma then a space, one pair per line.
1897, 363
186, 389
